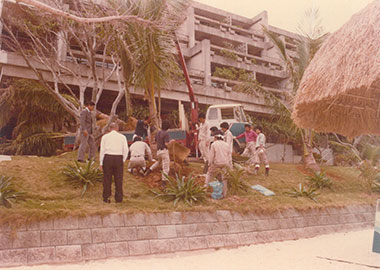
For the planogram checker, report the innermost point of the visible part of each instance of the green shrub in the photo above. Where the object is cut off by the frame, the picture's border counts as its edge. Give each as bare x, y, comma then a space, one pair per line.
236, 182
83, 175
319, 180
40, 144
7, 192
303, 191
182, 189
370, 175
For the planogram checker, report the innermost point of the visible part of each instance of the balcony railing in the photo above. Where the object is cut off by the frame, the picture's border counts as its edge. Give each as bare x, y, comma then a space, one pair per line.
252, 34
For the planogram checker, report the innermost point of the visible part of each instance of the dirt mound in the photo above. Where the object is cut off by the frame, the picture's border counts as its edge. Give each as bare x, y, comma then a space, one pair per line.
154, 179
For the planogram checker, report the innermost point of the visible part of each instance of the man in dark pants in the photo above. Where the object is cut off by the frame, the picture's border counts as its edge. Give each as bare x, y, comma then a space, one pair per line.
113, 153
86, 130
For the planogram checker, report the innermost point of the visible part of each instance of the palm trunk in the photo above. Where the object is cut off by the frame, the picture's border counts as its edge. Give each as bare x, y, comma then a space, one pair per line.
153, 116
308, 156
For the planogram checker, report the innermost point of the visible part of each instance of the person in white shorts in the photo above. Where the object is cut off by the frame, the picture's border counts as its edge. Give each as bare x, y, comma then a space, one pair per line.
139, 150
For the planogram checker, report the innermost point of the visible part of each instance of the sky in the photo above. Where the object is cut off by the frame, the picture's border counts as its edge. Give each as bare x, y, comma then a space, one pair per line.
287, 14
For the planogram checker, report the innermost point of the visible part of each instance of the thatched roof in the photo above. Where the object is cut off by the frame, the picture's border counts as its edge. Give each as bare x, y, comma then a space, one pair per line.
340, 90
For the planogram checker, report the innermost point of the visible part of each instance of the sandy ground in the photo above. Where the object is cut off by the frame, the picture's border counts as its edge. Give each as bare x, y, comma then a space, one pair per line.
352, 249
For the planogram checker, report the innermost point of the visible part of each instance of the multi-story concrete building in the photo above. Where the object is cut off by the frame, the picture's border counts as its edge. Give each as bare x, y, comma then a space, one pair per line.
210, 39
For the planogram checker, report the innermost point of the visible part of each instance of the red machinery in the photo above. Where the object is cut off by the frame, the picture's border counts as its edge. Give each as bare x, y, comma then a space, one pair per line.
192, 135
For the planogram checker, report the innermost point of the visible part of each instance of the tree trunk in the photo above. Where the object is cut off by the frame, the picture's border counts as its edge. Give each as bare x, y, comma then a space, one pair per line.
309, 159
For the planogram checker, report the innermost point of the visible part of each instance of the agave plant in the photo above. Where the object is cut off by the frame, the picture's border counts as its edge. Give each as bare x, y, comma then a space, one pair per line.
83, 175
236, 183
182, 188
303, 191
7, 193
319, 180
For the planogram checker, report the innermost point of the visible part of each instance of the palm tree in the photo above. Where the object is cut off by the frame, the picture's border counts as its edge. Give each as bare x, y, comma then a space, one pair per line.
308, 43
148, 53
38, 117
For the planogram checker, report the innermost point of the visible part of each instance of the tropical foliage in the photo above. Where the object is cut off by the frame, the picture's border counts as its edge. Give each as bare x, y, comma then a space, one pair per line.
319, 180
307, 44
83, 175
236, 182
39, 118
303, 191
147, 53
183, 189
7, 192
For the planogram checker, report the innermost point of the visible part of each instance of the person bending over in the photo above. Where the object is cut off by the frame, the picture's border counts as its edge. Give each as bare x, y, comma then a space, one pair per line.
219, 160
139, 150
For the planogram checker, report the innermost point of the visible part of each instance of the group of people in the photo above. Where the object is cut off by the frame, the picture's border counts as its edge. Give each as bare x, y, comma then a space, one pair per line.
216, 147
114, 151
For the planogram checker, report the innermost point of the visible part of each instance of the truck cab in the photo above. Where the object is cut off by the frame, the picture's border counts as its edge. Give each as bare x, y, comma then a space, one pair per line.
233, 114
230, 113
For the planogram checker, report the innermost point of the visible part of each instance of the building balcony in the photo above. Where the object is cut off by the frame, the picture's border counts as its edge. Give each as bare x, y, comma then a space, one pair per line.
246, 64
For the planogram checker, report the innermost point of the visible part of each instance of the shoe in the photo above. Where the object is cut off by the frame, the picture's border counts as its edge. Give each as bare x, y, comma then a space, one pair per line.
81, 161
107, 201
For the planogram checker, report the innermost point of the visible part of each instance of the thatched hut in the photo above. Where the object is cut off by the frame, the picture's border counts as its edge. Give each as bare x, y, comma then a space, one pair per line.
340, 90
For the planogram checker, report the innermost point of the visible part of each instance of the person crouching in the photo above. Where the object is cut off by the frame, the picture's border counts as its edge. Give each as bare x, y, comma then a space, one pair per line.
138, 151
219, 161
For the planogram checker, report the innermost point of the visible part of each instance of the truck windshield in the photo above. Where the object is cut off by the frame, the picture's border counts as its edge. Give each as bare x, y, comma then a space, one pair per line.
212, 114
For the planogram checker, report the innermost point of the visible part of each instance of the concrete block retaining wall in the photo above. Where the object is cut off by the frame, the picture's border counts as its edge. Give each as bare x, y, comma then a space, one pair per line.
75, 239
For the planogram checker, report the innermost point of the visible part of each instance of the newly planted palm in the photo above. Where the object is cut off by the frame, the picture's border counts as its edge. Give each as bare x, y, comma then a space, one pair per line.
83, 175
148, 52
183, 189
8, 193
303, 191
319, 180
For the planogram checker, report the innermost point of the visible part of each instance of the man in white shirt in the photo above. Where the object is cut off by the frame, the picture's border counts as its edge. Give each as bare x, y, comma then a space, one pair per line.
220, 159
138, 151
203, 139
228, 137
261, 153
113, 153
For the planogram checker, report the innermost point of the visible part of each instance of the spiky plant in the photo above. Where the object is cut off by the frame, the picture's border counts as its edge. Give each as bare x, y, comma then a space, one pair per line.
236, 182
83, 175
319, 180
303, 191
370, 176
182, 189
8, 193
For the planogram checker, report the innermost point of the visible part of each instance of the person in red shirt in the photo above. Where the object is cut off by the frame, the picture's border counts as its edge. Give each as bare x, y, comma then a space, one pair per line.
250, 140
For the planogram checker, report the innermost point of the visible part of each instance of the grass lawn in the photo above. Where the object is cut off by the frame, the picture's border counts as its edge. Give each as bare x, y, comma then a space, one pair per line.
49, 195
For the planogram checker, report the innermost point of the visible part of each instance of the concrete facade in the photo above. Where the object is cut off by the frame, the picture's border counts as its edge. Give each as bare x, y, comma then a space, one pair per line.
203, 38
74, 239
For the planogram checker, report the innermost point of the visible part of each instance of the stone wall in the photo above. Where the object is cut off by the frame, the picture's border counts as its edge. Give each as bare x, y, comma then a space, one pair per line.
75, 239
